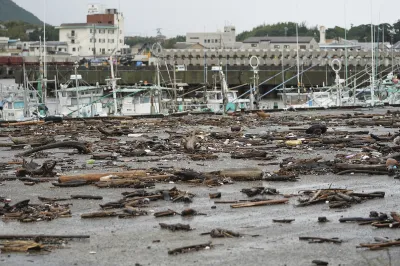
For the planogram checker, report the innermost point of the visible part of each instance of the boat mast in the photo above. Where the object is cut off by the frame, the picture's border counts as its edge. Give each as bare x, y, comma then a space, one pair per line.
113, 85
373, 61
298, 58
44, 55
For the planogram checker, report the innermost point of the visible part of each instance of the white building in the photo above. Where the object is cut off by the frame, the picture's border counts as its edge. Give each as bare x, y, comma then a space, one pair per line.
52, 48
102, 33
225, 39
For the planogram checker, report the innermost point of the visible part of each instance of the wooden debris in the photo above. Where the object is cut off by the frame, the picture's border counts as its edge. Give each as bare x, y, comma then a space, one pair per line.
259, 203
98, 215
175, 227
33, 169
97, 176
27, 237
320, 240
252, 192
283, 221
221, 233
191, 248
20, 246
337, 198
86, 197
81, 147
165, 213
25, 212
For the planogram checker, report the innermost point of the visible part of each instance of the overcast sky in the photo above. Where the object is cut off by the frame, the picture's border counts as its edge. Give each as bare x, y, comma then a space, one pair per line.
181, 16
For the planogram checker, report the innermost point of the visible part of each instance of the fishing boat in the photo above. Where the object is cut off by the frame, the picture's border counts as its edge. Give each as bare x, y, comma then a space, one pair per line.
18, 103
75, 98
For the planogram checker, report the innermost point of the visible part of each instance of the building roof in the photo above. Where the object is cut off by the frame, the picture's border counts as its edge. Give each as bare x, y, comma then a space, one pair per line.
50, 43
278, 39
87, 25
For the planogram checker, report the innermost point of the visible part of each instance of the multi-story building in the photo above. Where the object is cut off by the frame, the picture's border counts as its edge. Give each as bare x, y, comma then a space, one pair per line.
279, 43
214, 40
100, 35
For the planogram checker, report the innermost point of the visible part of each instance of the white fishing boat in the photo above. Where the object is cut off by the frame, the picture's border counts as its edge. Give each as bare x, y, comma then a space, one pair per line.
18, 103
77, 99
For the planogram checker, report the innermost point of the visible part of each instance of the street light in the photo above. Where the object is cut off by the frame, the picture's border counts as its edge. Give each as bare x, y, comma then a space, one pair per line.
76, 65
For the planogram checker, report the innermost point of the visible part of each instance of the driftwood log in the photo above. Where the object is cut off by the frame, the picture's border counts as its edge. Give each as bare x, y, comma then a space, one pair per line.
191, 248
81, 147
97, 176
259, 203
245, 174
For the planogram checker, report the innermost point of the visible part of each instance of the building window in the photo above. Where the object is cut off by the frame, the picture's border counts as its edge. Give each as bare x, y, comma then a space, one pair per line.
72, 33
73, 41
254, 45
110, 31
303, 47
286, 46
194, 38
277, 46
103, 51
120, 41
216, 41
59, 49
74, 49
311, 46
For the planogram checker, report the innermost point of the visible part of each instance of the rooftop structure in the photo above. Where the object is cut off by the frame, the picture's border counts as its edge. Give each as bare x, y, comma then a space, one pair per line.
101, 34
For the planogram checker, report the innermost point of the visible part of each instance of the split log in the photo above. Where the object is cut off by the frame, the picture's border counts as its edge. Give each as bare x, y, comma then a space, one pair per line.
377, 194
97, 176
191, 248
165, 213
320, 239
277, 178
245, 174
103, 156
42, 140
27, 237
81, 147
21, 246
27, 123
371, 172
98, 215
374, 246
86, 197
74, 183
344, 166
175, 227
51, 199
284, 221
259, 203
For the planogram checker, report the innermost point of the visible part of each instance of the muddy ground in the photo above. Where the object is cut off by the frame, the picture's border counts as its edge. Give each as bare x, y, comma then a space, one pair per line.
140, 241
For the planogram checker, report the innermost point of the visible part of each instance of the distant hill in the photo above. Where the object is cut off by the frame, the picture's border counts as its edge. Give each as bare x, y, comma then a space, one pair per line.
11, 11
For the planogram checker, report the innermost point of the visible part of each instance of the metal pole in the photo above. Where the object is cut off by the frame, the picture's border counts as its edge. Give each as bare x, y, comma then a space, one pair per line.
283, 79
56, 91
76, 89
175, 92
298, 56
373, 63
345, 37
